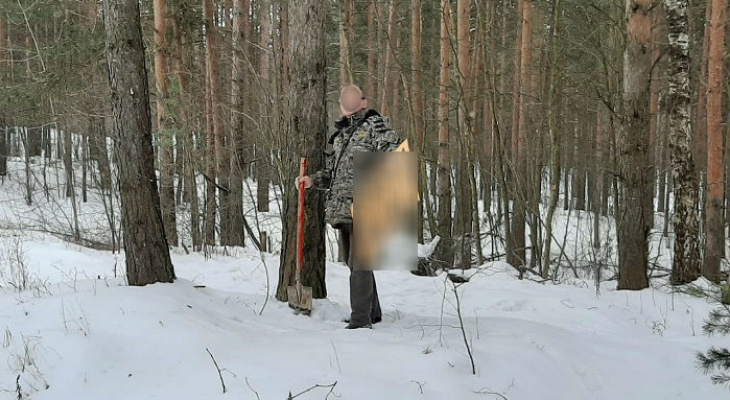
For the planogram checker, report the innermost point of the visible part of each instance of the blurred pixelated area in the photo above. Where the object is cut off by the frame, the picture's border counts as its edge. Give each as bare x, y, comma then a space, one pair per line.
385, 210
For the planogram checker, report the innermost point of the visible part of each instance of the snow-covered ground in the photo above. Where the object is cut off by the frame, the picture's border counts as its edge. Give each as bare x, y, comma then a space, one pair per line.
79, 333
71, 329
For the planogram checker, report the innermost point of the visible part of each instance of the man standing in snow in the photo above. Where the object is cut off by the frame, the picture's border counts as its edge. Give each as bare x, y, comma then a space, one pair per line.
358, 130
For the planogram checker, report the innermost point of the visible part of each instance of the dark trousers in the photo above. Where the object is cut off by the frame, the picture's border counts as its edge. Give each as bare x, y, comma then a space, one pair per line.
363, 291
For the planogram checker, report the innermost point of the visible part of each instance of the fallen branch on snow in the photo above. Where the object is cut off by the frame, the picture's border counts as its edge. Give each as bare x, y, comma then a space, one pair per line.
223, 384
330, 386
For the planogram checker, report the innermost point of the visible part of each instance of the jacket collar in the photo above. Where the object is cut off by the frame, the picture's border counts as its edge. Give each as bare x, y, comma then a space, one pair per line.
345, 122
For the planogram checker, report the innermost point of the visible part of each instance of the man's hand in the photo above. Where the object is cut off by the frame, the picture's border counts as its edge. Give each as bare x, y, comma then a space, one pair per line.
306, 179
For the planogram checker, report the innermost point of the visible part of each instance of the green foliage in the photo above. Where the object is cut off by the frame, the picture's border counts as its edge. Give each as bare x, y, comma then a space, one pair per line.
54, 54
716, 361
694, 291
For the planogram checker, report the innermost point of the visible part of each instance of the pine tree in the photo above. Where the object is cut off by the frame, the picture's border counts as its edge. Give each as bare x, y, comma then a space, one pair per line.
715, 245
145, 245
308, 120
635, 219
716, 360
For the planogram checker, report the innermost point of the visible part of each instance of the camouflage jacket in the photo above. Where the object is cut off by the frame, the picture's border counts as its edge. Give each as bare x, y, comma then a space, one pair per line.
366, 130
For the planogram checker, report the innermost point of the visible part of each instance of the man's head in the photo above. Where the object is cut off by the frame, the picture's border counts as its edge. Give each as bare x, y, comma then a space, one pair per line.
351, 100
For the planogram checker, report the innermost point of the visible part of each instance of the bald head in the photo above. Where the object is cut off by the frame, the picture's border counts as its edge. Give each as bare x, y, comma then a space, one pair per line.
351, 100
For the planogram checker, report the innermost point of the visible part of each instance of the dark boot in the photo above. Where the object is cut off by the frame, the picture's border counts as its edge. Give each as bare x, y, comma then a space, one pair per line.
353, 326
374, 320
376, 315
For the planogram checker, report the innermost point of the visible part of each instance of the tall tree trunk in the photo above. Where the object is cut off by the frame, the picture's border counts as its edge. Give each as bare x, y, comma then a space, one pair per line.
463, 196
633, 227
715, 222
238, 125
209, 167
519, 140
553, 131
215, 146
699, 131
658, 91
221, 153
263, 155
347, 35
686, 265
147, 255
389, 77
370, 90
188, 149
417, 101
308, 119
444, 154
165, 127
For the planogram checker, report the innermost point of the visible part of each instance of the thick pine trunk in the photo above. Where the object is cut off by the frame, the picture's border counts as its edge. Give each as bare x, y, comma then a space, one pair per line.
715, 222
308, 122
147, 256
633, 226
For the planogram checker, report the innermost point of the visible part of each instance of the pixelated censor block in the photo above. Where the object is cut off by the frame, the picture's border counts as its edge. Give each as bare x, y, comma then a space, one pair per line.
384, 211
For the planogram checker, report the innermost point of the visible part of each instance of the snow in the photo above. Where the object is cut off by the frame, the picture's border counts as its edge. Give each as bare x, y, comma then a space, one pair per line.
75, 331
88, 336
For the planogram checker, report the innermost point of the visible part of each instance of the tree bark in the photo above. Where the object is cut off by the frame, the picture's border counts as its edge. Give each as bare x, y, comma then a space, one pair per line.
699, 131
238, 125
165, 135
147, 255
519, 139
308, 122
463, 186
188, 149
715, 222
553, 131
370, 90
219, 165
444, 154
417, 101
389, 76
686, 265
347, 36
263, 155
633, 226
209, 159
